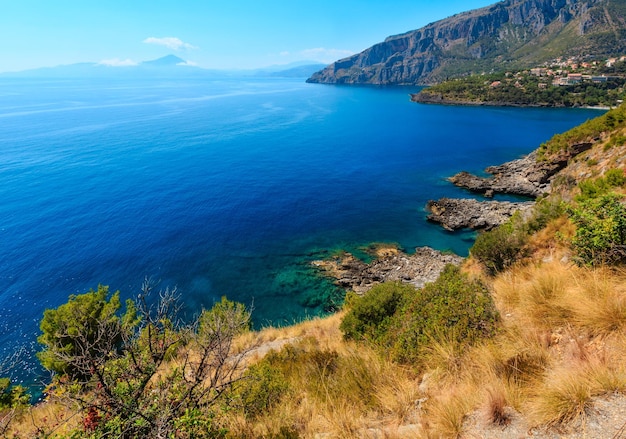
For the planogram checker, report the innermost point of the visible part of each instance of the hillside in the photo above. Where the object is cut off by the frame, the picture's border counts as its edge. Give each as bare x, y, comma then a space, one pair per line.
509, 34
525, 339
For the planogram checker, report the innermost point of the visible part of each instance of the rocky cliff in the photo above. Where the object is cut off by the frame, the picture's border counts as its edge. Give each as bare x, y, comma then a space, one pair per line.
509, 33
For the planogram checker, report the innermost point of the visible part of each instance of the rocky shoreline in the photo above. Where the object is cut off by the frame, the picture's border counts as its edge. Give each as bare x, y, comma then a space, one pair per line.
461, 213
527, 176
439, 99
421, 267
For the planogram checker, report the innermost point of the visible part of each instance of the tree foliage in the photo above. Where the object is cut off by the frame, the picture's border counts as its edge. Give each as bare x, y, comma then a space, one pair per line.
143, 373
84, 327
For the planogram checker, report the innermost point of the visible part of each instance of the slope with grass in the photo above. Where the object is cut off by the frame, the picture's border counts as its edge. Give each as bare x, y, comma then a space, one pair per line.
525, 339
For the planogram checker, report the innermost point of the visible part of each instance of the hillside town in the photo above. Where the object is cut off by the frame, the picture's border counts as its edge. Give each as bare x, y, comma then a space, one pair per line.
563, 82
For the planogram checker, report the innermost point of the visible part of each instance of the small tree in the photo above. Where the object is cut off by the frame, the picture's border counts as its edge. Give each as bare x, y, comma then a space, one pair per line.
154, 376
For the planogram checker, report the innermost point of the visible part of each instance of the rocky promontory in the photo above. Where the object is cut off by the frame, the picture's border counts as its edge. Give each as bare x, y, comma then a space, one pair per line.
519, 33
417, 269
528, 176
459, 213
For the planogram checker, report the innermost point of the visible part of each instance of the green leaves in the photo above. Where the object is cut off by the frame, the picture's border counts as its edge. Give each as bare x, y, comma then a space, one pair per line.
395, 316
86, 324
600, 236
371, 314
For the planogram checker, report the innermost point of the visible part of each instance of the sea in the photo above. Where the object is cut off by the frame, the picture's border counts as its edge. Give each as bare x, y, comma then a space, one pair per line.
224, 187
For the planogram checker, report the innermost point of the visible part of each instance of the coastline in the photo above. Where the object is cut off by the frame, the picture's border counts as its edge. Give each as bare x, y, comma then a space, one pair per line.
438, 99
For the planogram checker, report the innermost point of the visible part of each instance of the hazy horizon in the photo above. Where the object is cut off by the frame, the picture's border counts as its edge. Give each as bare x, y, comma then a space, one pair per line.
234, 35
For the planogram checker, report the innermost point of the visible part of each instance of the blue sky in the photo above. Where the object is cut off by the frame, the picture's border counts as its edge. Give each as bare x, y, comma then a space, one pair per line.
208, 33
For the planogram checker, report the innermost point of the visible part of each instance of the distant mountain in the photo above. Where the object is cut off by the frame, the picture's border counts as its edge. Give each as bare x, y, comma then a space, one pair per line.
167, 66
166, 61
516, 33
303, 71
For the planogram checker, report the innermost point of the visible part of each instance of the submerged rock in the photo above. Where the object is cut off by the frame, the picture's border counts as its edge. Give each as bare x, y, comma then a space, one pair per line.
459, 213
422, 267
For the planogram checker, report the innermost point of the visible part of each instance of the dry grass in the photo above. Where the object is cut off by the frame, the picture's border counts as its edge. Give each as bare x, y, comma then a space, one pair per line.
561, 343
565, 397
445, 415
598, 301
49, 419
496, 406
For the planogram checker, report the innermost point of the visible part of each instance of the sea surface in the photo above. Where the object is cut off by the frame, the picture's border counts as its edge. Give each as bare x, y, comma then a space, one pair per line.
224, 187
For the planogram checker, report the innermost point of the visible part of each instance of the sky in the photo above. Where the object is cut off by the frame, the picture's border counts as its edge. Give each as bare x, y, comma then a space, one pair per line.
216, 34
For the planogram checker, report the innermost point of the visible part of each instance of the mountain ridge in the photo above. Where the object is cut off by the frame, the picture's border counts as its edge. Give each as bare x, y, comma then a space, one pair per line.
516, 33
166, 66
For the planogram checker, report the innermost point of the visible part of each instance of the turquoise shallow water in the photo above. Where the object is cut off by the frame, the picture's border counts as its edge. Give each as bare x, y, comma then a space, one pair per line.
224, 187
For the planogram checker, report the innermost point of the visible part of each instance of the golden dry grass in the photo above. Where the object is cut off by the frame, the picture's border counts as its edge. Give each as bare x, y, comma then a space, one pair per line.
561, 343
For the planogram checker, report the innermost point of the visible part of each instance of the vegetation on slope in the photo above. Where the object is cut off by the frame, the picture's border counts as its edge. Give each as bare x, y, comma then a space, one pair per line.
520, 338
523, 90
609, 125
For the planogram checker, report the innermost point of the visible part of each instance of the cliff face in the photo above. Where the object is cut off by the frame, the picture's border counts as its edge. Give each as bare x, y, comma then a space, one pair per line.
511, 32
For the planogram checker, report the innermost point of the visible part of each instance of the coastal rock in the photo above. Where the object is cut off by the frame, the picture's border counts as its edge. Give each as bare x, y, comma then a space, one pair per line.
422, 267
459, 213
526, 176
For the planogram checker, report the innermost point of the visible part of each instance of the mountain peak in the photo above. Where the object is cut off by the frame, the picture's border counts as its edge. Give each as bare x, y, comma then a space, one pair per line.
508, 34
166, 61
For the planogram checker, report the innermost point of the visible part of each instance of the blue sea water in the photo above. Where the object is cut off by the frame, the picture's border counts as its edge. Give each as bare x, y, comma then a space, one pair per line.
225, 187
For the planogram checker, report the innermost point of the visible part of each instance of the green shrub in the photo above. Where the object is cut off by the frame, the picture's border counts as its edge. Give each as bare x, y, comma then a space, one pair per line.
615, 177
11, 395
544, 211
324, 374
264, 386
596, 187
600, 236
497, 249
370, 315
452, 309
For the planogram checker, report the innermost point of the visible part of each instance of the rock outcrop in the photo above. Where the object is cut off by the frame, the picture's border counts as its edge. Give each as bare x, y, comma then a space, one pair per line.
509, 33
527, 176
417, 269
460, 213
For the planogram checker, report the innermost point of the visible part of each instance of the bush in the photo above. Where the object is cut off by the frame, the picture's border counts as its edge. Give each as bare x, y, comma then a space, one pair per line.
370, 315
497, 249
615, 177
11, 396
594, 188
264, 387
325, 375
117, 369
452, 309
600, 236
545, 210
